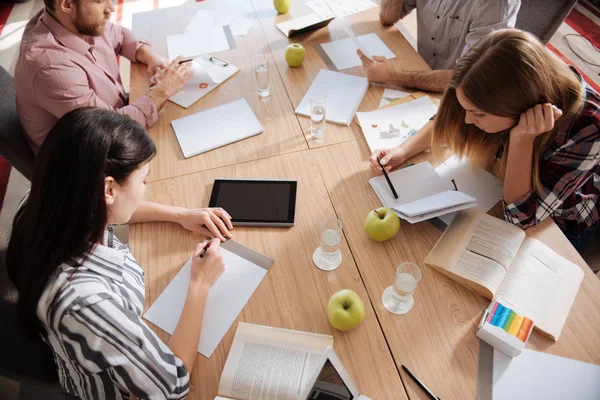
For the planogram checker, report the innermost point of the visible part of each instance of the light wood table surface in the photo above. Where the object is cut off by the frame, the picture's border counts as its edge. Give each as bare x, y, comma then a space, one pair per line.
282, 132
294, 294
436, 339
298, 80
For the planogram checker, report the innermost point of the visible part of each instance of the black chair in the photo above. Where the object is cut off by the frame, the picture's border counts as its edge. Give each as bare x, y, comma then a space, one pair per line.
22, 358
543, 17
13, 146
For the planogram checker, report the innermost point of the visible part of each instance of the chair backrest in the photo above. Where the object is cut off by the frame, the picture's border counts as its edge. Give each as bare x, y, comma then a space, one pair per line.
13, 146
543, 17
22, 358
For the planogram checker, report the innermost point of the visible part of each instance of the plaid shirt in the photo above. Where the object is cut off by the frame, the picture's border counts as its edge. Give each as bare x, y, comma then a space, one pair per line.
570, 175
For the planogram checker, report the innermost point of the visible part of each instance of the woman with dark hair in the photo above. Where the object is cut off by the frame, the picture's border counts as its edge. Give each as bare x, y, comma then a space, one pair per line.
79, 287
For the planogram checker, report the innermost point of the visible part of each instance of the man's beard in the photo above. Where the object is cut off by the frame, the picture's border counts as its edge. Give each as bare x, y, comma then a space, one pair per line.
88, 29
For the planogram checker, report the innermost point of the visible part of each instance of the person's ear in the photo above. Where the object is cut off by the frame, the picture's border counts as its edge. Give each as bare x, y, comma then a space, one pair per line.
110, 190
66, 6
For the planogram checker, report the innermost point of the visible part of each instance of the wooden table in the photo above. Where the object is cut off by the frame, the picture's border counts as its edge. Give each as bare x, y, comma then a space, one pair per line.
436, 340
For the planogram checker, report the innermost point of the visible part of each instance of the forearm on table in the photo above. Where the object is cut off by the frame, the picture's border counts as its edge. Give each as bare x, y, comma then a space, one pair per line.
148, 211
186, 336
430, 81
390, 11
517, 180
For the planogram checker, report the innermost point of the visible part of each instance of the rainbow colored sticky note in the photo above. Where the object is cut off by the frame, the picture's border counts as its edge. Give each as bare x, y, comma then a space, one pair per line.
513, 323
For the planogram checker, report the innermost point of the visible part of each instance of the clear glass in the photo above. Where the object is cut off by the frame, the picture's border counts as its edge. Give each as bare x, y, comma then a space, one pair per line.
261, 72
328, 255
318, 106
398, 298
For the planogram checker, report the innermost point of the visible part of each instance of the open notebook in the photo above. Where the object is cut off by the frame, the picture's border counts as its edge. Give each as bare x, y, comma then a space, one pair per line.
422, 193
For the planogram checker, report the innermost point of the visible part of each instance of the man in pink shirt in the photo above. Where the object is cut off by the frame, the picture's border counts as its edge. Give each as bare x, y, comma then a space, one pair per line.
68, 60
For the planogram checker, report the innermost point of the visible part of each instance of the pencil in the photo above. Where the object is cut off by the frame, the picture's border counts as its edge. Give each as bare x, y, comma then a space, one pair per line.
387, 178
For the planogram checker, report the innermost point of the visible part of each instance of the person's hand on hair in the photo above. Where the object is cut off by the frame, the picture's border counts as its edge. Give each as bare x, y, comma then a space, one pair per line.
536, 121
214, 222
207, 270
171, 79
379, 70
390, 158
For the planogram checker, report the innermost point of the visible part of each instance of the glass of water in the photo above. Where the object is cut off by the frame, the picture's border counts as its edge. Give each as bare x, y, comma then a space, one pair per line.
261, 72
318, 106
328, 255
398, 298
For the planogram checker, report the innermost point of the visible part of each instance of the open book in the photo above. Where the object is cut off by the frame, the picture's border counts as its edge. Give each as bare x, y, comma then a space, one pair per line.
422, 193
271, 363
492, 257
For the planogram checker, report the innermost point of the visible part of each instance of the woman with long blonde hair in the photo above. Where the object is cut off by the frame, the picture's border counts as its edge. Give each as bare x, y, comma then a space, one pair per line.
515, 109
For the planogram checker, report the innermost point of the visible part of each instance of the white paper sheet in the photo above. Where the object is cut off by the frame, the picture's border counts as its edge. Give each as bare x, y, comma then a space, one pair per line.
225, 301
339, 7
215, 127
344, 94
210, 38
389, 127
342, 53
482, 185
535, 375
238, 23
391, 95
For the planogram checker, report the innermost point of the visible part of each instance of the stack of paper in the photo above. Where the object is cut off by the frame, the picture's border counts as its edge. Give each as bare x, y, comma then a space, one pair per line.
215, 127
326, 8
389, 127
303, 24
344, 95
238, 23
244, 270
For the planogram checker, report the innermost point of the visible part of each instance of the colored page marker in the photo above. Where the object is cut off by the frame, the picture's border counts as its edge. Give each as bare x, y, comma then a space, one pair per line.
499, 311
516, 325
509, 320
525, 330
503, 318
492, 313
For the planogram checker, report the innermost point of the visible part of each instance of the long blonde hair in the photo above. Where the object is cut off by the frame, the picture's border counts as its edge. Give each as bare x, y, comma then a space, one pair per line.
505, 73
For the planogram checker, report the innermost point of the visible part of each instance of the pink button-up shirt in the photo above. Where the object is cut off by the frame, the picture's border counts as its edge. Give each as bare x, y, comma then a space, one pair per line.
57, 72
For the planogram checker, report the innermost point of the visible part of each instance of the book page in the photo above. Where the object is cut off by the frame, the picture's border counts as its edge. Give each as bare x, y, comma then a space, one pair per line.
490, 251
271, 363
541, 285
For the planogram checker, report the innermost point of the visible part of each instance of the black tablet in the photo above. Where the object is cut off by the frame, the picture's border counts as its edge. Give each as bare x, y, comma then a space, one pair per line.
256, 202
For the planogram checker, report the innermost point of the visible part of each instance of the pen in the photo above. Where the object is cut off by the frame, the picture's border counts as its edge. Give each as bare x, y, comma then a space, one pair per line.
223, 62
434, 397
186, 60
203, 252
387, 178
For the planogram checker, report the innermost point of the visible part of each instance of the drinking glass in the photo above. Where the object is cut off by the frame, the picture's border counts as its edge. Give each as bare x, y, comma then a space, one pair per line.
318, 106
261, 72
328, 255
398, 298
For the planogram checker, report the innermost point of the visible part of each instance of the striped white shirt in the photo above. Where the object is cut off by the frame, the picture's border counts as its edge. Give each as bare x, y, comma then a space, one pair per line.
102, 348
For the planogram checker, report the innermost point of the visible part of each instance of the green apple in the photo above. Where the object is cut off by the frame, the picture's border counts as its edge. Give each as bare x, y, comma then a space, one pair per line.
382, 224
282, 6
345, 310
294, 54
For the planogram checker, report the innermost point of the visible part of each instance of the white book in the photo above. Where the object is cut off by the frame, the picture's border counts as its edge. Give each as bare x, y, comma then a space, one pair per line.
342, 53
422, 193
244, 270
302, 24
215, 127
391, 126
344, 95
208, 74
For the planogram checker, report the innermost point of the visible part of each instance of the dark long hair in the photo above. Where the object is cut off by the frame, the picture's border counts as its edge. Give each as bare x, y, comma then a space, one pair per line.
65, 214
